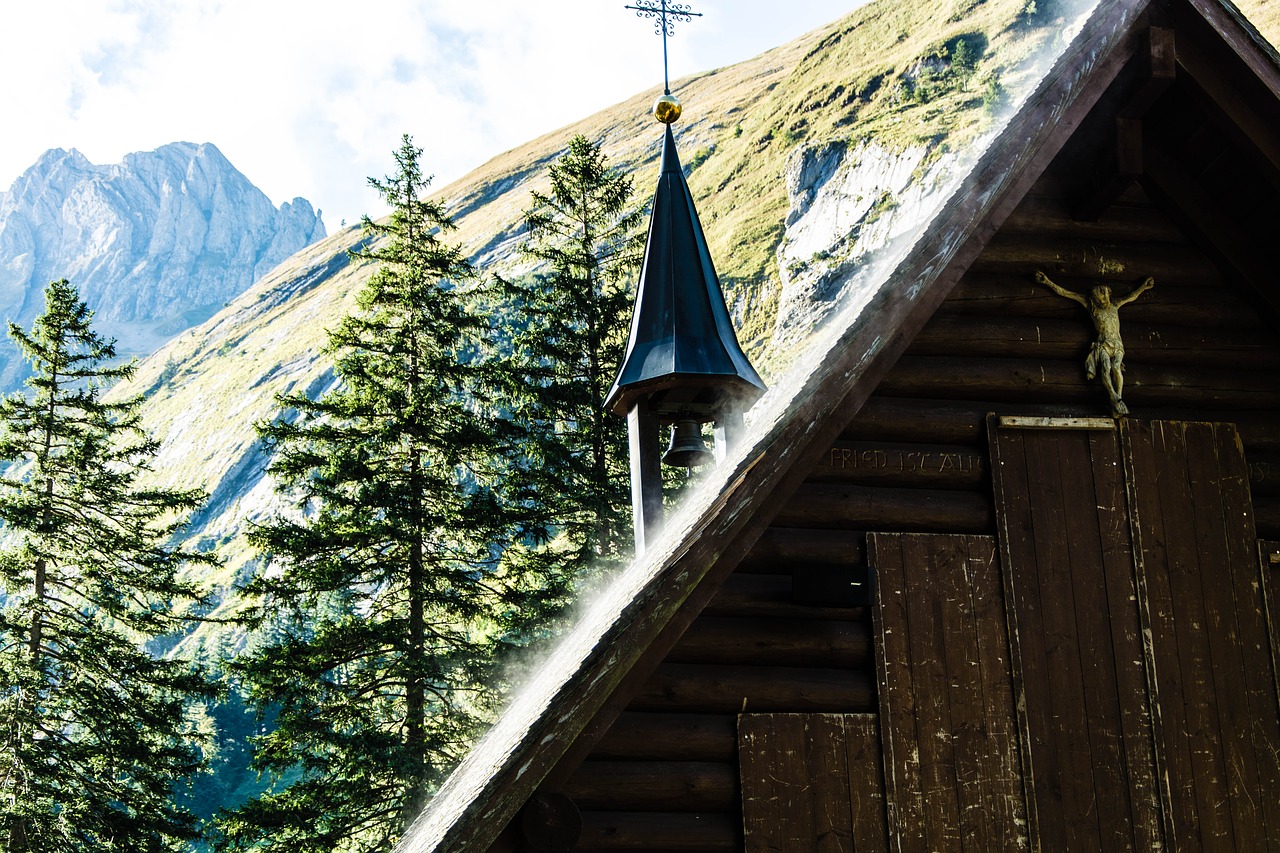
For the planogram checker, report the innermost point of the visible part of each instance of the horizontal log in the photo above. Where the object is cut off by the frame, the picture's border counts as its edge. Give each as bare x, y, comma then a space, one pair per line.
1061, 338
1042, 216
921, 421
749, 689
890, 510
1170, 304
770, 596
674, 786
939, 421
785, 642
1104, 261
1264, 474
1266, 516
656, 736
910, 466
1025, 379
709, 832
781, 547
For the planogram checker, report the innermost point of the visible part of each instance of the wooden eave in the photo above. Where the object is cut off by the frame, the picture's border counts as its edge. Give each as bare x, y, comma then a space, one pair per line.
593, 671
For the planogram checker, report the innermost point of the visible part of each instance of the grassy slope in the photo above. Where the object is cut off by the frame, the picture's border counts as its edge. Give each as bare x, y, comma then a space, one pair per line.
843, 82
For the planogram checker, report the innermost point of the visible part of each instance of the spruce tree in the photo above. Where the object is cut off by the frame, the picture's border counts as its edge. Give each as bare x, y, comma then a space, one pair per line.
94, 731
383, 604
572, 319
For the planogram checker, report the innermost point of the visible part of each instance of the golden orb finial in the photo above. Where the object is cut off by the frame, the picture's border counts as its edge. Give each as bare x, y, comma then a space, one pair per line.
667, 109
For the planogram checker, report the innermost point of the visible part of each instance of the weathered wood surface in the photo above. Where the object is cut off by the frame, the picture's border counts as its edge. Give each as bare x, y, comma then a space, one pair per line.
1022, 379
964, 421
1060, 256
719, 688
1057, 338
1266, 514
907, 466
953, 778
1017, 294
1269, 561
764, 642
671, 786
811, 783
1049, 215
871, 508
769, 596
1217, 719
780, 548
712, 832
1264, 473
1217, 73
658, 736
1076, 639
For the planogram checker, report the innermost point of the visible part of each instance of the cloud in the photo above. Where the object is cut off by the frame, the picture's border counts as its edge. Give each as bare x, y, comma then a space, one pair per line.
309, 99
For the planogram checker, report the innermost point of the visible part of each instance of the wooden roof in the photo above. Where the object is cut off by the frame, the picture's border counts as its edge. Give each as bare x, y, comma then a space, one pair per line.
1114, 68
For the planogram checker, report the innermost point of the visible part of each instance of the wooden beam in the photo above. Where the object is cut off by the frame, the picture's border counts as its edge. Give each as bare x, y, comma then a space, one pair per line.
877, 508
659, 736
646, 473
764, 642
712, 832
1110, 165
715, 688
654, 786
1212, 224
1216, 86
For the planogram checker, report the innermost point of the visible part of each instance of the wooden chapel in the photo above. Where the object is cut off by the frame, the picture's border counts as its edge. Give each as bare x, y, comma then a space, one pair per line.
1074, 637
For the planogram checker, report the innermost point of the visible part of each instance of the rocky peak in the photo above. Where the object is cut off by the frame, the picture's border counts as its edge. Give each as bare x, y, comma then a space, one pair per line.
155, 243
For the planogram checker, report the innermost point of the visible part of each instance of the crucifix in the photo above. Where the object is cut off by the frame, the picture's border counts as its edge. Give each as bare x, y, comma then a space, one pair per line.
665, 15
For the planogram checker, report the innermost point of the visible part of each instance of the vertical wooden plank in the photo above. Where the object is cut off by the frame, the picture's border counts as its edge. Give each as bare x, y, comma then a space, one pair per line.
1153, 537
1127, 644
1075, 627
777, 808
1213, 662
952, 774
904, 793
866, 783
827, 763
1269, 560
811, 782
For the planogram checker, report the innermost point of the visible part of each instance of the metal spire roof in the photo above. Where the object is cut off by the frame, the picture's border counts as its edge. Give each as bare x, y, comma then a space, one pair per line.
681, 333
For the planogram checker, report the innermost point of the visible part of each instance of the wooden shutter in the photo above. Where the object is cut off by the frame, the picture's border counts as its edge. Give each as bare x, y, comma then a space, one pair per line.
1076, 639
1217, 724
953, 779
811, 783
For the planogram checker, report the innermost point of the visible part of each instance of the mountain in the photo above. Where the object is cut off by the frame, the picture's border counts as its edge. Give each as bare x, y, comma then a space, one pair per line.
155, 244
804, 162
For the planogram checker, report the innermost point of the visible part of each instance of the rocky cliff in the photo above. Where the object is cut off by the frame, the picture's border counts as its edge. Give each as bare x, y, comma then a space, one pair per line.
156, 244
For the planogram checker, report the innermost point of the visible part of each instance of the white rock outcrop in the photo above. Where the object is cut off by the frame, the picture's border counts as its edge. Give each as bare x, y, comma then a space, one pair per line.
846, 202
155, 244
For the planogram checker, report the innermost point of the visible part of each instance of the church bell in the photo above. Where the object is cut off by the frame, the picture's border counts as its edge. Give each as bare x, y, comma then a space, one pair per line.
687, 449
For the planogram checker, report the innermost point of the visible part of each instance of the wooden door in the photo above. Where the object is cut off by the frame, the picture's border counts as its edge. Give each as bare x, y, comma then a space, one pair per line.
1217, 724
1076, 638
1138, 627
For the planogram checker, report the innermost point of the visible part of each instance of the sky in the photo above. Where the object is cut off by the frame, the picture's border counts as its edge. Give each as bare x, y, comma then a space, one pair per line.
309, 98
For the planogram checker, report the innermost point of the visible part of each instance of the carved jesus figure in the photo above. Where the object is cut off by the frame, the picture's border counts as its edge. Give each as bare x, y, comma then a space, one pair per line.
1106, 356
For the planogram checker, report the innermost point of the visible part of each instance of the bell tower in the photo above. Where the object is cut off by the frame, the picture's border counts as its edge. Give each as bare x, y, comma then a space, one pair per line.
683, 366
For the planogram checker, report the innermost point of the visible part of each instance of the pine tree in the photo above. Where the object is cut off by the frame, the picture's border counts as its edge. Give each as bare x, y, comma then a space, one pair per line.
94, 731
574, 314
384, 607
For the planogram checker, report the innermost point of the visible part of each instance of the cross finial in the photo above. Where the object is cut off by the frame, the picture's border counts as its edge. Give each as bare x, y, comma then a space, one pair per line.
665, 15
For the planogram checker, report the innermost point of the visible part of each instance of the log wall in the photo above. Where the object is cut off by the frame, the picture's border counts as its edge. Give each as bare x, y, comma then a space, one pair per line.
1198, 347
